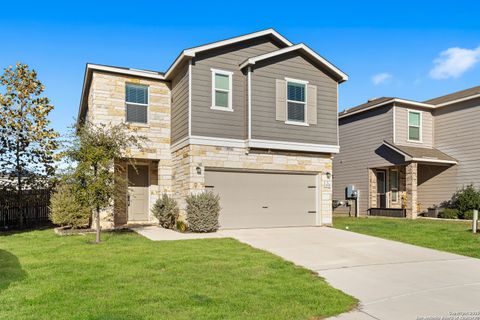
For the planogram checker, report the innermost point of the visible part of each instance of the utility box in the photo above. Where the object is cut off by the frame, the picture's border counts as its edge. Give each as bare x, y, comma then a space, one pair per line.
351, 192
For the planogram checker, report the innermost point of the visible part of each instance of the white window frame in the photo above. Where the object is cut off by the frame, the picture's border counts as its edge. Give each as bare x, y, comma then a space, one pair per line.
398, 185
137, 104
230, 91
420, 127
305, 120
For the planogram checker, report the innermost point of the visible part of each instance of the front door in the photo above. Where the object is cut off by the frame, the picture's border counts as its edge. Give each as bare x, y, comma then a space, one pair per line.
381, 189
137, 201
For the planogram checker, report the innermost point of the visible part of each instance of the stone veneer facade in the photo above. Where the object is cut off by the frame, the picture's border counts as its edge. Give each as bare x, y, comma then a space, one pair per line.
187, 179
106, 105
175, 172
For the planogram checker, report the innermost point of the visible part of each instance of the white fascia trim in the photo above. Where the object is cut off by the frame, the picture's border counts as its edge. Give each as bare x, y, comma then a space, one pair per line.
132, 72
179, 144
208, 141
415, 103
300, 46
193, 51
412, 103
213, 141
221, 43
249, 102
433, 160
296, 146
254, 143
190, 98
458, 100
177, 61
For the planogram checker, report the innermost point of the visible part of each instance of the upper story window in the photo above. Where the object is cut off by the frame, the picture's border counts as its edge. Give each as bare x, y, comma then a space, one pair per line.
136, 100
222, 90
296, 101
414, 126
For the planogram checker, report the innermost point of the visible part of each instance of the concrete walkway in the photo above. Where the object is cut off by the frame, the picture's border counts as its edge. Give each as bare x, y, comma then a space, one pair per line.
392, 280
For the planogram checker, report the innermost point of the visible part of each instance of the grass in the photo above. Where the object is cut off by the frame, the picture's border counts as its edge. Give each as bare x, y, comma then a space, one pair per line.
44, 276
450, 236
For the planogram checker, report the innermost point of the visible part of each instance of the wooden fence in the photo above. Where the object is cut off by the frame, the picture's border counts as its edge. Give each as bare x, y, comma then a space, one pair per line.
34, 206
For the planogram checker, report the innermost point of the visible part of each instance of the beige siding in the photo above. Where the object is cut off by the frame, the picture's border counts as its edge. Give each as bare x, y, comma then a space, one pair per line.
361, 138
264, 123
455, 135
180, 104
401, 127
217, 123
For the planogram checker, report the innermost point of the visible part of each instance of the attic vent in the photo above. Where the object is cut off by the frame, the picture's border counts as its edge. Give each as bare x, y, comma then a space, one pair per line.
372, 99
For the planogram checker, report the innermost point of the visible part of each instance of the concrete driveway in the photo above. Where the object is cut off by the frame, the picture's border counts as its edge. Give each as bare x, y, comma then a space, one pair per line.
392, 280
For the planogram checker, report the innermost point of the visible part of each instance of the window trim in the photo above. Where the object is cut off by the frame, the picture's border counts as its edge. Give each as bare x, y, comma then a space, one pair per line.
398, 185
230, 90
420, 127
137, 104
303, 123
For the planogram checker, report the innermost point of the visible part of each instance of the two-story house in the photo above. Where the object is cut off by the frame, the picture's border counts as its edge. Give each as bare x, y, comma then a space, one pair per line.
405, 156
253, 118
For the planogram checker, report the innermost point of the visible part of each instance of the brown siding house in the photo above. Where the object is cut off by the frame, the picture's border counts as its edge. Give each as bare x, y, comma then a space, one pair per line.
251, 118
412, 159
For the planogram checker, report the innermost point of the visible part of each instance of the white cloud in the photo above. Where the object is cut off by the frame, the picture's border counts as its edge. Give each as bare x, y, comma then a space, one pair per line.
453, 62
380, 78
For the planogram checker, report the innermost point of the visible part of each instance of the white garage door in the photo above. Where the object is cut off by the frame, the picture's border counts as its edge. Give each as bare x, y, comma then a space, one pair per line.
253, 200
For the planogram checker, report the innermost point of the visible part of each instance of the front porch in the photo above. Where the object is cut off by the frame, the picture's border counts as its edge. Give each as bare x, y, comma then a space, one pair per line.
393, 190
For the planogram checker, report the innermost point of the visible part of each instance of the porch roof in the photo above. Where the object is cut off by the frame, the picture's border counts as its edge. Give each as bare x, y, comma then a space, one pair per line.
421, 154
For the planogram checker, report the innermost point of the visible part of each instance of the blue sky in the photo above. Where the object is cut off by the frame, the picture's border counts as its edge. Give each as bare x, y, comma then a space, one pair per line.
412, 49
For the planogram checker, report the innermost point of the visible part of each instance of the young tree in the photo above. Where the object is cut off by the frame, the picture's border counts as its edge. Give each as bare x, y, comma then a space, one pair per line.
27, 144
95, 151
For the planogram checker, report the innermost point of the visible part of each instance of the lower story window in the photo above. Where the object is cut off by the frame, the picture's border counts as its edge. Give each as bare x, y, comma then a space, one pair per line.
394, 185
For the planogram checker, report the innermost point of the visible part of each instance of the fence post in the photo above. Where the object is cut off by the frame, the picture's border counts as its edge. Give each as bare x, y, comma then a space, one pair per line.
474, 221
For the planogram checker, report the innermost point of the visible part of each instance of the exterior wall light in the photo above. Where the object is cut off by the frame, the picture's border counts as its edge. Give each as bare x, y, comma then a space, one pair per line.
199, 170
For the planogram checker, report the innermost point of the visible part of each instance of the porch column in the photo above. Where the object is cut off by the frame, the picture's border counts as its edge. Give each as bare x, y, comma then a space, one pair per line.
411, 189
372, 189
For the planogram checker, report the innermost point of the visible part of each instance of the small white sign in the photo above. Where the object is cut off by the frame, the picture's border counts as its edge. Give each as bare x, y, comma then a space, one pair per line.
327, 184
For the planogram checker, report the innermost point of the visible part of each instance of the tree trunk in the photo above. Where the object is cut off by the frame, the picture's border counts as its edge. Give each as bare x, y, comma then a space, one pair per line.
21, 207
97, 218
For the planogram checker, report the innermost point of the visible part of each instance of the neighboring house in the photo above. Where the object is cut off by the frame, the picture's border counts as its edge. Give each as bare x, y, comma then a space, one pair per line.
405, 154
253, 118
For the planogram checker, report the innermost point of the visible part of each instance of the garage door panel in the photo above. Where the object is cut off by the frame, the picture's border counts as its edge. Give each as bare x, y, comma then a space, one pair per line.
250, 200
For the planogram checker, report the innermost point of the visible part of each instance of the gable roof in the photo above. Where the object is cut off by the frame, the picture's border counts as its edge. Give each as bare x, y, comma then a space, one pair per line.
341, 76
379, 102
191, 52
421, 154
455, 97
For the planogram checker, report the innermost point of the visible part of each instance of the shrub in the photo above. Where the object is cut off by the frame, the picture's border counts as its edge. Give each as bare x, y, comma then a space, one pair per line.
166, 211
467, 198
468, 215
202, 212
65, 209
449, 213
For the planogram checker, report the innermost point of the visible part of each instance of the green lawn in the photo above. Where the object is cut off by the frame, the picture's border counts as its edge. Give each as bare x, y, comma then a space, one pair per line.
44, 276
450, 236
